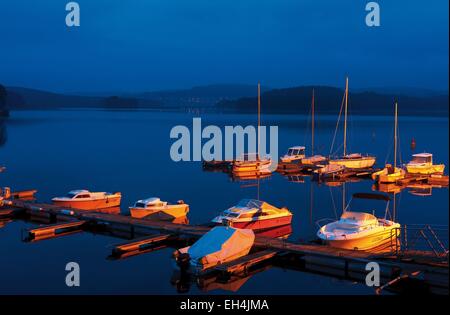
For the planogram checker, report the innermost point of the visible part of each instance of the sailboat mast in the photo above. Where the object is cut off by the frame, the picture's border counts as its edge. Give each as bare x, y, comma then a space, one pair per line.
259, 115
345, 117
312, 124
395, 136
343, 197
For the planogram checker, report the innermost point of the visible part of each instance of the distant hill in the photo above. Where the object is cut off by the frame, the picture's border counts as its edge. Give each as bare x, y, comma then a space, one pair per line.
207, 95
25, 98
234, 98
329, 99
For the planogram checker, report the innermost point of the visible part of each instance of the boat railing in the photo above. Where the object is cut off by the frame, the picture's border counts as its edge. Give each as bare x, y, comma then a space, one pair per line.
324, 221
421, 238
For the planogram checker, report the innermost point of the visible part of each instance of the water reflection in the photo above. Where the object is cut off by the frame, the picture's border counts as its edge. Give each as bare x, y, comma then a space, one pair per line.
3, 133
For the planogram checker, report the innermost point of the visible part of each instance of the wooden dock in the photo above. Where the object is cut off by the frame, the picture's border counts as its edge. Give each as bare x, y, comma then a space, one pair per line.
149, 235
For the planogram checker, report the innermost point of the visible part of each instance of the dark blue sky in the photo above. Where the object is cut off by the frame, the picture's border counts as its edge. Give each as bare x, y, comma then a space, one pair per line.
142, 45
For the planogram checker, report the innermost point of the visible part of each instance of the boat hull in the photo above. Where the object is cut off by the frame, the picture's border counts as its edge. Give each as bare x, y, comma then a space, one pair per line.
384, 176
89, 204
261, 224
175, 211
425, 169
246, 167
388, 236
355, 163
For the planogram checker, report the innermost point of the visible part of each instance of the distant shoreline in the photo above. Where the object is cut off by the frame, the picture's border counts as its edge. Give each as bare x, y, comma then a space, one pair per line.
437, 114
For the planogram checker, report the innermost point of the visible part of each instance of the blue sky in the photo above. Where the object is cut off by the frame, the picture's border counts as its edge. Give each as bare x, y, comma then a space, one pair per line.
144, 45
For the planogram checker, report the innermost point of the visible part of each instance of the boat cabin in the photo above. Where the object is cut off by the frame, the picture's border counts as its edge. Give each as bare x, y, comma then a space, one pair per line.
294, 151
78, 194
149, 203
422, 158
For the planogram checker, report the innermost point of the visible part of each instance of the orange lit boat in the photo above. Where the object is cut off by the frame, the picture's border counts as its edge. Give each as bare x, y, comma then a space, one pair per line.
151, 206
422, 163
353, 161
360, 230
391, 174
254, 214
86, 200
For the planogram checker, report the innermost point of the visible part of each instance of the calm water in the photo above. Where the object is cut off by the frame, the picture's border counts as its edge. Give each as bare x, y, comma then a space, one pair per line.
57, 151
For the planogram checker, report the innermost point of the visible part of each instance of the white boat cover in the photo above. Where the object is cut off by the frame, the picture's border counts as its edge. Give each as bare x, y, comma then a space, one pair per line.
221, 244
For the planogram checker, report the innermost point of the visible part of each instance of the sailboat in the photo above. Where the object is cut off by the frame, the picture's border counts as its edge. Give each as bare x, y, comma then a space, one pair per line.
391, 174
313, 160
252, 164
297, 154
353, 161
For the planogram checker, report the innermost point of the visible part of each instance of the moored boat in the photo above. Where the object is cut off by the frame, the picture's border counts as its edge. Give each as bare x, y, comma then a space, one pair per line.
354, 161
252, 164
360, 230
254, 214
219, 245
150, 206
391, 174
86, 200
293, 154
329, 170
422, 163
351, 161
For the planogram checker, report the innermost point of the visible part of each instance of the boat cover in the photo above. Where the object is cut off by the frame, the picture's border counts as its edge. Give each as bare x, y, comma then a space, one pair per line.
221, 244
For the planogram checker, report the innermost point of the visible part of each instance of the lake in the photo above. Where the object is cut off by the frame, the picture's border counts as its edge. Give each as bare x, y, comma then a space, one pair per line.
128, 151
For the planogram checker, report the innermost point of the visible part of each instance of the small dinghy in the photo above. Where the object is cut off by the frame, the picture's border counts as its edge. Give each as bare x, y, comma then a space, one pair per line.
151, 206
329, 170
220, 245
86, 200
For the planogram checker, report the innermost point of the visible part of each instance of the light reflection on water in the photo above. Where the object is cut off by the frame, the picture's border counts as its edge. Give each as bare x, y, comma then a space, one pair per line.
56, 151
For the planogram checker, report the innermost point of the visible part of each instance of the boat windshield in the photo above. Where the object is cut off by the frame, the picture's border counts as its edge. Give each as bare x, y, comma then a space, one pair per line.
231, 214
295, 152
139, 205
71, 195
249, 203
421, 159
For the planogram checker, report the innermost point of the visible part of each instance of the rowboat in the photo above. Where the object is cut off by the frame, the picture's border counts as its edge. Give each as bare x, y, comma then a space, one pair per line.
151, 206
86, 200
254, 214
329, 170
422, 163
